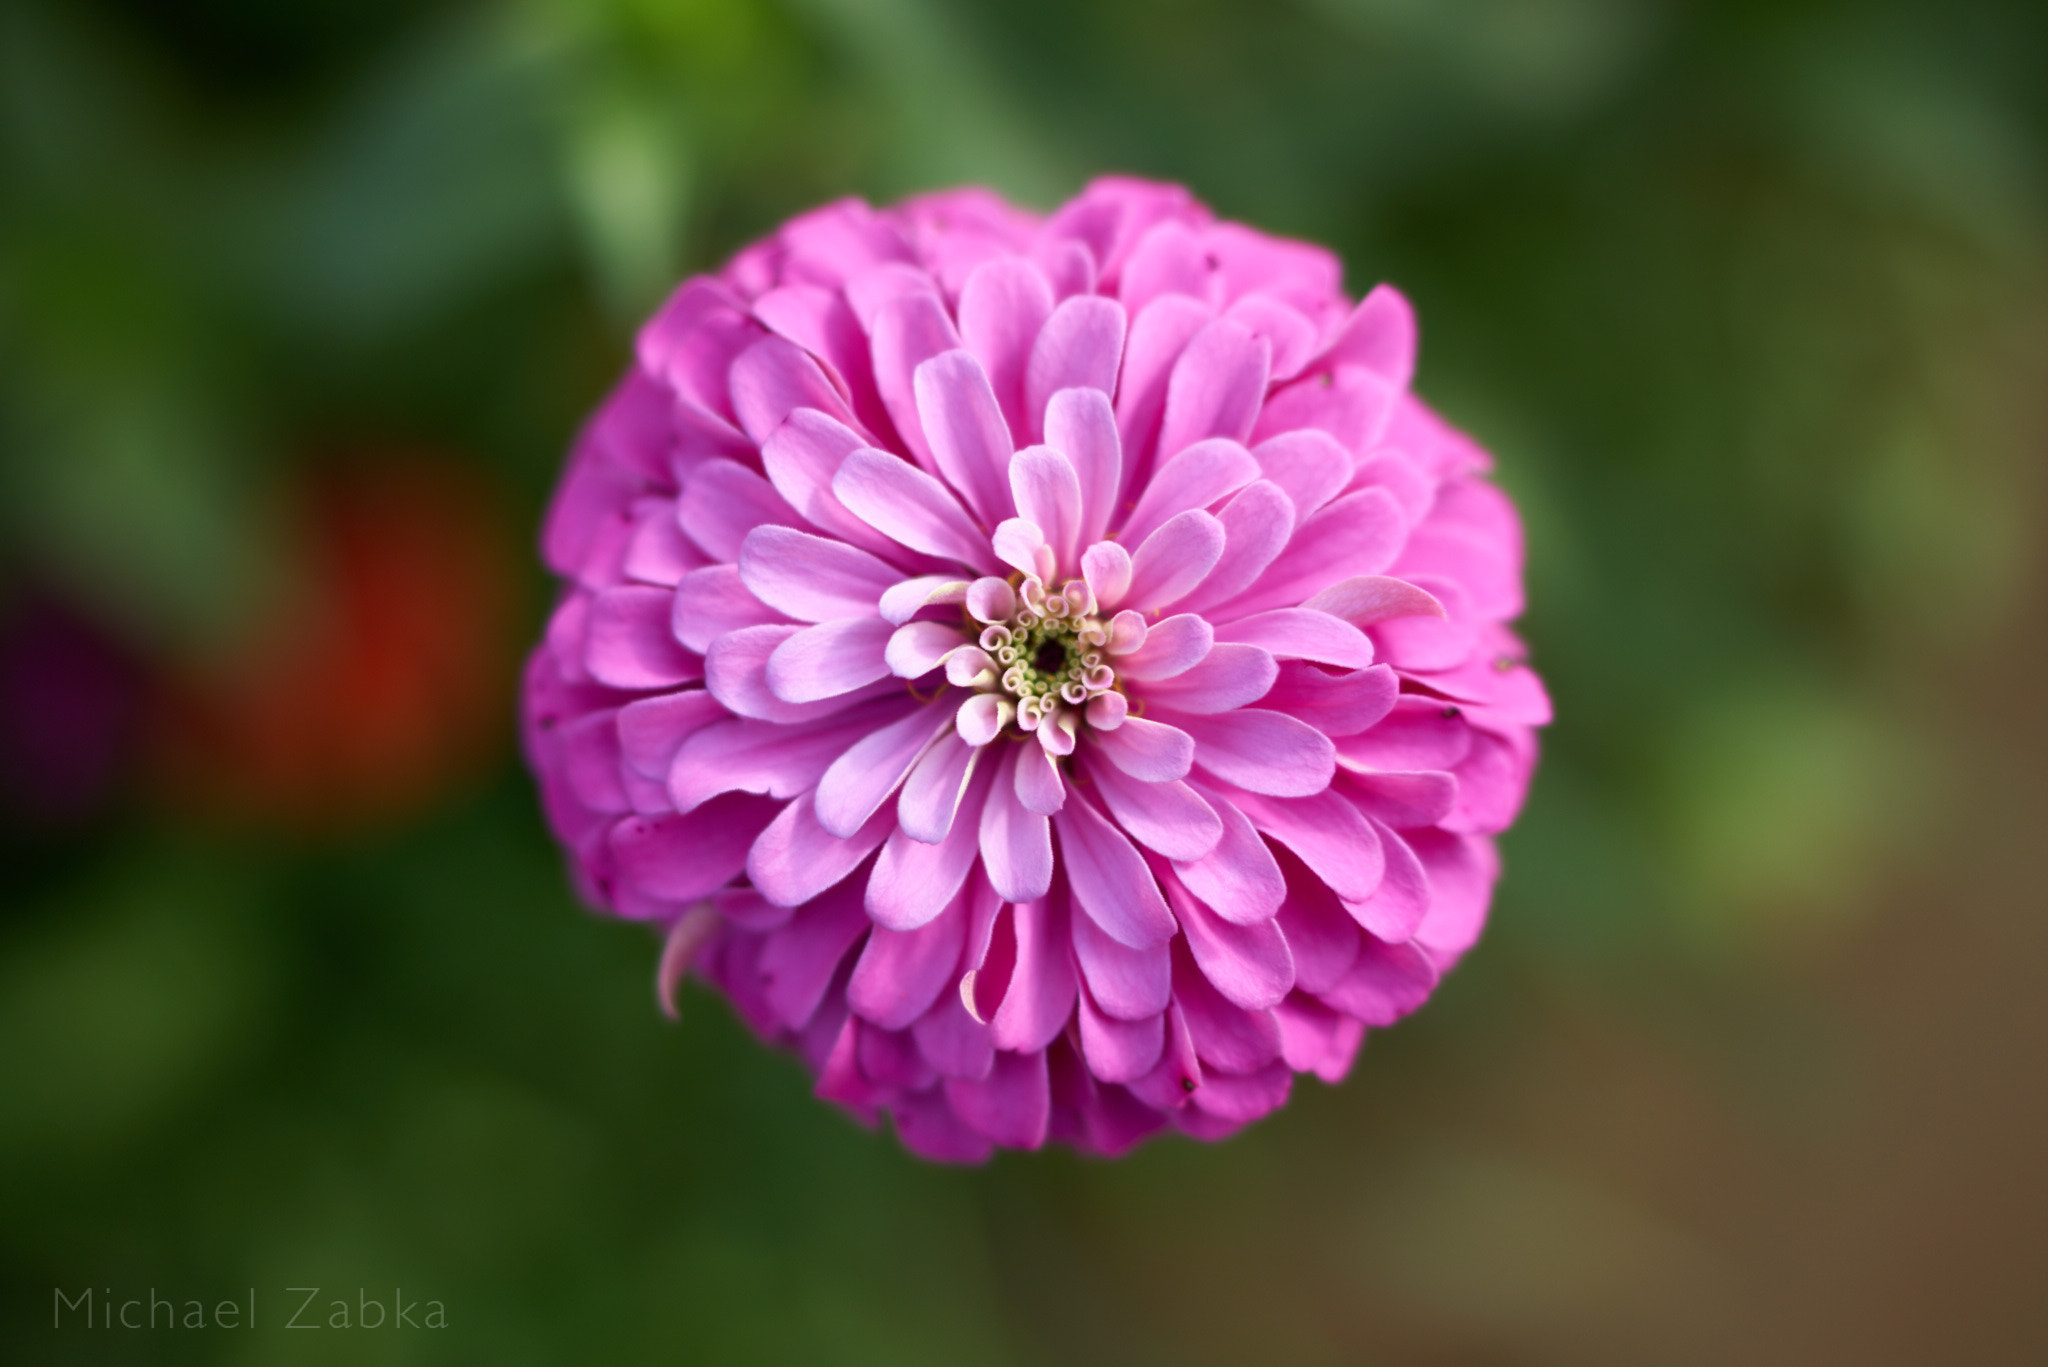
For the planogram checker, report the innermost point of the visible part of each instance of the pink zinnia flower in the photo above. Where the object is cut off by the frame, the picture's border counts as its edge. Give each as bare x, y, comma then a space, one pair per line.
1049, 673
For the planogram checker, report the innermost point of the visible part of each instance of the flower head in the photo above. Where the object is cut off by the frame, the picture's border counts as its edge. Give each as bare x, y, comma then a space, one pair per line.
1051, 674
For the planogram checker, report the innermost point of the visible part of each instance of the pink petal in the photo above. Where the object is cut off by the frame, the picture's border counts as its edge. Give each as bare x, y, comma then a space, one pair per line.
743, 755
1229, 677
1169, 258
1302, 634
774, 377
1129, 984
722, 501
1235, 1099
1402, 800
801, 458
1461, 872
1109, 878
1148, 750
1291, 336
590, 753
1239, 878
862, 779
969, 440
917, 648
811, 578
902, 972
1315, 1039
659, 553
1048, 493
1022, 546
796, 858
955, 1043
1118, 1050
1168, 816
628, 643
1400, 475
1256, 527
990, 599
1079, 347
681, 858
910, 507
1011, 1106
1380, 335
1419, 733
1334, 704
1264, 752
1195, 478
712, 601
1320, 933
1003, 306
907, 330
1249, 964
1106, 567
1160, 332
651, 729
1352, 404
1308, 465
905, 600
1174, 559
980, 719
1171, 647
1079, 423
1359, 534
1016, 845
1040, 996
933, 792
1385, 983
1039, 785
799, 961
1397, 906
1216, 388
1327, 833
1224, 1035
914, 881
823, 323
829, 659
1370, 598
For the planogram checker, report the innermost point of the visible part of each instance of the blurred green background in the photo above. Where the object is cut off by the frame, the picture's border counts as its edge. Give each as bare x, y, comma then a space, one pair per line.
299, 307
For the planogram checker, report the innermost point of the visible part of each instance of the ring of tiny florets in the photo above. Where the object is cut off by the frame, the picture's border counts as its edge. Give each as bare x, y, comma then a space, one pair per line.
1050, 652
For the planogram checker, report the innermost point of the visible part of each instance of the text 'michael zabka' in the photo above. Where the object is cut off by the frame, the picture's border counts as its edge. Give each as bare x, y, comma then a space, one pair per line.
110, 1312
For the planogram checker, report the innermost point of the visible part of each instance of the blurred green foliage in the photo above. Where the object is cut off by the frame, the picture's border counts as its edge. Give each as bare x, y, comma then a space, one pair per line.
1751, 301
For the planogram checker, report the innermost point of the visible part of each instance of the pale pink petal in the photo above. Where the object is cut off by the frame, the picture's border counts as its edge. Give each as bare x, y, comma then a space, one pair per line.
1256, 526
970, 442
1127, 633
1106, 567
736, 673
1039, 786
1302, 634
1168, 816
1080, 347
982, 718
1160, 332
862, 779
722, 501
1308, 465
1021, 545
823, 323
1216, 387
1048, 494
773, 378
1174, 559
712, 601
910, 507
903, 601
801, 457
1110, 879
907, 330
1239, 878
1127, 983
1148, 750
914, 881
1016, 845
1003, 306
1359, 534
1194, 478
812, 578
1080, 424
829, 659
1170, 647
796, 858
1371, 598
917, 648
628, 643
933, 792
1263, 752
991, 599
1229, 677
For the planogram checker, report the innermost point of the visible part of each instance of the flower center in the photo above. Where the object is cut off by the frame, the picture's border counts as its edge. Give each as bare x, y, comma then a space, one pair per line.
1048, 656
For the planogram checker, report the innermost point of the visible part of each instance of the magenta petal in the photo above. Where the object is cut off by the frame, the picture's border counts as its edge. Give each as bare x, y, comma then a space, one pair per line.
910, 507
955, 1043
829, 659
933, 792
1315, 1039
1402, 800
1321, 935
902, 972
862, 779
628, 644
722, 501
1419, 733
1224, 1034
1016, 845
712, 601
799, 960
1291, 336
1178, 1074
1174, 559
774, 377
1012, 1105
1194, 478
1217, 386
1264, 752
812, 578
1040, 998
1239, 878
1302, 634
1119, 1050
969, 440
1110, 879
651, 729
1167, 816
914, 881
1229, 677
801, 457
1379, 335
1003, 306
1328, 835
1127, 983
796, 858
1359, 534
1308, 465
1397, 906
1461, 871
1385, 983
1256, 526
1371, 598
658, 552
1335, 704
681, 858
906, 331
1079, 423
1048, 493
1235, 1099
1249, 964
1160, 332
929, 1128
1080, 347
779, 760
1171, 647
1148, 750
